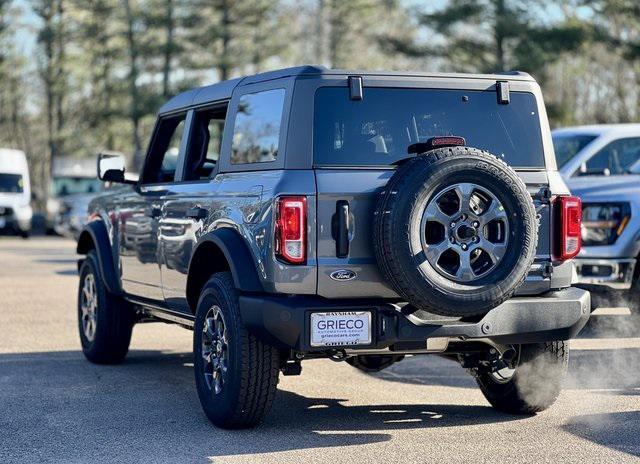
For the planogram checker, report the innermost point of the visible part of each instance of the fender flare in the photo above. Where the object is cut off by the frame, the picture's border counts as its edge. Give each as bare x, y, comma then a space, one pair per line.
96, 232
236, 252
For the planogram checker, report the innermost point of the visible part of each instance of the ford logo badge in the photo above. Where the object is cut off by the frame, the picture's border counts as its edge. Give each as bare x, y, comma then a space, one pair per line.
342, 275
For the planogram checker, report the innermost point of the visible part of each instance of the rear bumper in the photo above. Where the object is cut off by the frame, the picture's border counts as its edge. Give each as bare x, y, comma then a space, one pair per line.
610, 272
285, 321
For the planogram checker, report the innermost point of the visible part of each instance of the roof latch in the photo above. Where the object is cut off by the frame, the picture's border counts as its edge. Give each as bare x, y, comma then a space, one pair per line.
355, 87
502, 88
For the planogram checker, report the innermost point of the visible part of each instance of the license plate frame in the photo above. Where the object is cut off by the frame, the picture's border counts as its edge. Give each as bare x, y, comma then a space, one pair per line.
340, 328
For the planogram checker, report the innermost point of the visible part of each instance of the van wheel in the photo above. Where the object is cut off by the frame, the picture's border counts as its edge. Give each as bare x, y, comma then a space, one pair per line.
105, 321
236, 374
535, 382
374, 363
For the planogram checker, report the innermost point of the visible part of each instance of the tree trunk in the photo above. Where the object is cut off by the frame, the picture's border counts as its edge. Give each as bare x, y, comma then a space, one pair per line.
319, 39
168, 50
334, 33
224, 62
498, 33
133, 85
60, 79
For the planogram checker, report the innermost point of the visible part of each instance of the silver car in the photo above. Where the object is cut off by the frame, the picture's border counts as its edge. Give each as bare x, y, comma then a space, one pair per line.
601, 164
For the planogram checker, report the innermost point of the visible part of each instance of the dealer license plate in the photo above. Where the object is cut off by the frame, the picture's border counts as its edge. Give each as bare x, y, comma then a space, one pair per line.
341, 328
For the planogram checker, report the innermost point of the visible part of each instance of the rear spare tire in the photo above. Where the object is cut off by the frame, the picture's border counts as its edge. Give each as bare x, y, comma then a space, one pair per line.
455, 231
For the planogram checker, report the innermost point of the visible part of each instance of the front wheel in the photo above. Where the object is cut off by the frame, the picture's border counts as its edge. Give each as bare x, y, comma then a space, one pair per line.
533, 384
105, 321
236, 374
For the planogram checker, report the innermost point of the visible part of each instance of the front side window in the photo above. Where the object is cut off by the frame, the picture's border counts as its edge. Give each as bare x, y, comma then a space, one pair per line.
162, 158
617, 158
11, 183
379, 129
256, 132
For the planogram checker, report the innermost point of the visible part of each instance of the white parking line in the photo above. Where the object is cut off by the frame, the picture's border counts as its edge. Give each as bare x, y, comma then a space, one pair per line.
604, 343
611, 312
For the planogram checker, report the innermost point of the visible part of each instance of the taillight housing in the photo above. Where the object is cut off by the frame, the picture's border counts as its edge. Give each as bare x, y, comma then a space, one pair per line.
291, 229
568, 230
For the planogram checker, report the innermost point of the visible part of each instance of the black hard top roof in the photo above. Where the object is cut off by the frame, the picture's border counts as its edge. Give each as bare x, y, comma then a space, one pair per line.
223, 90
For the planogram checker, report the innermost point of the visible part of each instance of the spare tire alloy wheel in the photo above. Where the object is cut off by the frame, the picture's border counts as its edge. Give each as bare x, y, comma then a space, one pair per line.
455, 231
466, 232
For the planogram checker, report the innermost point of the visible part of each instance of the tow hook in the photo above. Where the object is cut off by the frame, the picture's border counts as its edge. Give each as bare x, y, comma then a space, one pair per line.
292, 367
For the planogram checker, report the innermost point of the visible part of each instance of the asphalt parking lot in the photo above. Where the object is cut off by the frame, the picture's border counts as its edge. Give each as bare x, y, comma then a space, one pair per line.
56, 407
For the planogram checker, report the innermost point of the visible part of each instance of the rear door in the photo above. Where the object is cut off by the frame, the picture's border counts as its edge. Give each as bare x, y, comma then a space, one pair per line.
357, 142
190, 201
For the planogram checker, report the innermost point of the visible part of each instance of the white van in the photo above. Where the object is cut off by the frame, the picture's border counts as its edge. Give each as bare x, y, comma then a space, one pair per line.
15, 193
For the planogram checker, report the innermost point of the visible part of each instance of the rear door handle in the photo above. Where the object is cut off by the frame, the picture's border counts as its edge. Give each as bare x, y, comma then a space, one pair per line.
197, 213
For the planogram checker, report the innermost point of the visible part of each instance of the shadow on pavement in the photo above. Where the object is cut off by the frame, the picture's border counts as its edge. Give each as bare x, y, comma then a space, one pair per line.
618, 431
58, 407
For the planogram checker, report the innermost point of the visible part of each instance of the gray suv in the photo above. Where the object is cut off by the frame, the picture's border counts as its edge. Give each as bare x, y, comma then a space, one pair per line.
358, 216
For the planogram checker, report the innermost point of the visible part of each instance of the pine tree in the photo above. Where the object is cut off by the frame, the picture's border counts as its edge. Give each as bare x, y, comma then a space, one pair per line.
493, 35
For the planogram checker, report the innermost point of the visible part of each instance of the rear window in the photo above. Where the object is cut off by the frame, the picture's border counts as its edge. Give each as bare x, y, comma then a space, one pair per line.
378, 129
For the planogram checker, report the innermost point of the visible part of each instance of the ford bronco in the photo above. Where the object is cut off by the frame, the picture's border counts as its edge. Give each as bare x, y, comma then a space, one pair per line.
357, 216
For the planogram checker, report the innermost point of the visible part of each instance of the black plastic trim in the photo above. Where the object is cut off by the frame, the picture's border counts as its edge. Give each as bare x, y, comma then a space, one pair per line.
100, 238
236, 252
284, 321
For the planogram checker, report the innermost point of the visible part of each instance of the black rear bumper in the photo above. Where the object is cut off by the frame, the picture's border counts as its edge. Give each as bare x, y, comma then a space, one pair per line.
285, 321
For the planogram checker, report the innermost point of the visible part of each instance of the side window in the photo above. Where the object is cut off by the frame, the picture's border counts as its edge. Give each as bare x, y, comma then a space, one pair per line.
257, 127
205, 143
162, 157
618, 157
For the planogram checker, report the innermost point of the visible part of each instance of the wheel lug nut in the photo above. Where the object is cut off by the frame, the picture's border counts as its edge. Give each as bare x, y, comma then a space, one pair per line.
464, 246
453, 224
476, 224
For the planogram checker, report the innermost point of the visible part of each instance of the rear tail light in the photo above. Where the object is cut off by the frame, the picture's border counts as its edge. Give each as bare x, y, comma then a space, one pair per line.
569, 214
291, 226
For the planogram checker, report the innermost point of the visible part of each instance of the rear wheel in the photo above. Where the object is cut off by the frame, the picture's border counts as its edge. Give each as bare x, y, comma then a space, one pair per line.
532, 384
236, 374
105, 321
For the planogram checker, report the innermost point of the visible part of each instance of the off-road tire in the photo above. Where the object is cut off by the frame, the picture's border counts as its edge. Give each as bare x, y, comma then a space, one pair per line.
114, 319
536, 383
401, 204
374, 363
253, 366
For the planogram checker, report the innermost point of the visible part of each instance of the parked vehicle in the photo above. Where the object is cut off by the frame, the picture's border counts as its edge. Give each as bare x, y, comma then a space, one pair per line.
72, 214
601, 165
15, 193
310, 213
73, 184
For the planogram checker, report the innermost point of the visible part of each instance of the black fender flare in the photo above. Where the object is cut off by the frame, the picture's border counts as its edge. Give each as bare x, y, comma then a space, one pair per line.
237, 254
95, 232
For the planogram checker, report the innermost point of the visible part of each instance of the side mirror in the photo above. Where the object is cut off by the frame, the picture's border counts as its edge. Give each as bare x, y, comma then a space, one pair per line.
111, 168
